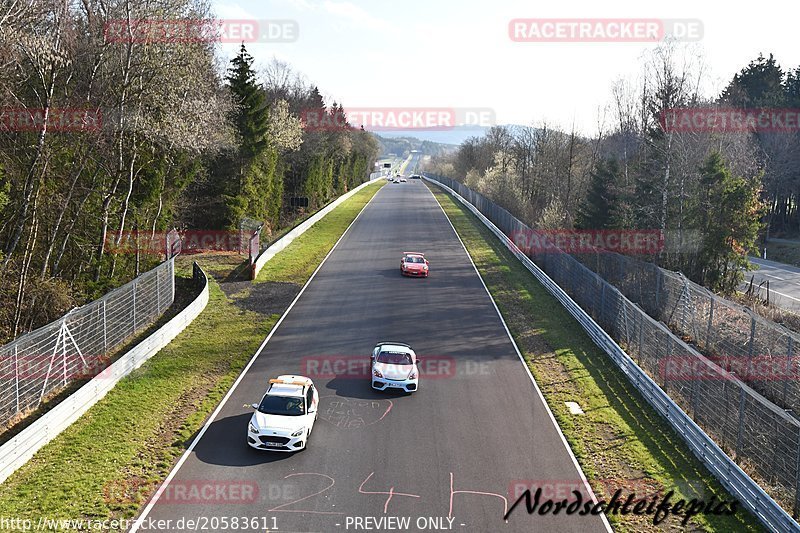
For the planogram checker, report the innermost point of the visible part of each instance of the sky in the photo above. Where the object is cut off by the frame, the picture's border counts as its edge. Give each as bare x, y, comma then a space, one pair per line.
458, 53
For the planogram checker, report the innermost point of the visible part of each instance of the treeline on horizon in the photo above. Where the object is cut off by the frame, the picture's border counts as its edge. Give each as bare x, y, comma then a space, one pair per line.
184, 140
713, 193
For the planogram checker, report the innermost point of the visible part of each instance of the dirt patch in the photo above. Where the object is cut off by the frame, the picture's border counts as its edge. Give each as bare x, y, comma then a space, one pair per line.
268, 298
132, 489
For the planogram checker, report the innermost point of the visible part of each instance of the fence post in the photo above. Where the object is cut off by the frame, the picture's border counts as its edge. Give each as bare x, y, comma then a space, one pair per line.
105, 329
602, 297
710, 321
685, 301
788, 376
16, 374
664, 366
641, 337
738, 447
796, 508
658, 292
134, 304
158, 290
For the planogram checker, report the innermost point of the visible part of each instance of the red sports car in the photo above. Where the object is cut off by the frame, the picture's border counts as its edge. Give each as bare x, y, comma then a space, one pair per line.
414, 264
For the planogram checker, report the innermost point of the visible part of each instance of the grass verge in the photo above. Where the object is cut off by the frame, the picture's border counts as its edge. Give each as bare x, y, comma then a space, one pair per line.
619, 441
783, 252
108, 464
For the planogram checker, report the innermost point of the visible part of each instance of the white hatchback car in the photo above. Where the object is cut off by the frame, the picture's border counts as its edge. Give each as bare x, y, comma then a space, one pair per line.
394, 366
285, 416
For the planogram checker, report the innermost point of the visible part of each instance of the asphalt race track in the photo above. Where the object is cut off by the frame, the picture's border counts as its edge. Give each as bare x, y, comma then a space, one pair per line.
456, 449
784, 282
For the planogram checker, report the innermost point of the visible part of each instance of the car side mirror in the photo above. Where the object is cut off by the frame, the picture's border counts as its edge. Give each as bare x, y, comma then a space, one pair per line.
251, 406
312, 410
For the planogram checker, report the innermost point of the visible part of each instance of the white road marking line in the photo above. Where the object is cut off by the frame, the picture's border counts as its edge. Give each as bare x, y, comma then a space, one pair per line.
763, 273
780, 293
528, 370
216, 412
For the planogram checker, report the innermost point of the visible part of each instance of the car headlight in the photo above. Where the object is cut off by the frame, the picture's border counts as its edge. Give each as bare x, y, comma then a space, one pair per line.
425, 267
298, 432
377, 373
253, 429
413, 375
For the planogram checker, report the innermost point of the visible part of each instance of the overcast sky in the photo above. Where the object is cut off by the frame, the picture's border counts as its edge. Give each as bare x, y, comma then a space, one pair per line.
458, 53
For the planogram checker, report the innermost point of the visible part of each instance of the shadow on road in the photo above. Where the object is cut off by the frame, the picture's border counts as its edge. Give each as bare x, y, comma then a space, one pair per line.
359, 388
225, 444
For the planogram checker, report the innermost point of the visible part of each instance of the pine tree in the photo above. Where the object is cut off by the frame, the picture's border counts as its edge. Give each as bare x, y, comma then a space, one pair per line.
760, 84
252, 167
252, 114
792, 88
597, 211
729, 214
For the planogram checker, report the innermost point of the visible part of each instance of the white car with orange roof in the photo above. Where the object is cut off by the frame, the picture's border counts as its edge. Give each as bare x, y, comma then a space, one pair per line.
285, 416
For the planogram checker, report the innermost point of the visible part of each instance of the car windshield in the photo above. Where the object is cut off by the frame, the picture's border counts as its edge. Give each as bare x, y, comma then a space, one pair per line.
413, 259
282, 405
395, 358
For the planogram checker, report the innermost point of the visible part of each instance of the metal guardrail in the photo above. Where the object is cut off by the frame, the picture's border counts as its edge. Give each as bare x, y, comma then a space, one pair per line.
270, 252
17, 451
732, 477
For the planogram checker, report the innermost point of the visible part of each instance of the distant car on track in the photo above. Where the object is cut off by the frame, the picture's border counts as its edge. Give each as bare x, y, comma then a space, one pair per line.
403, 179
285, 416
394, 366
414, 264
415, 177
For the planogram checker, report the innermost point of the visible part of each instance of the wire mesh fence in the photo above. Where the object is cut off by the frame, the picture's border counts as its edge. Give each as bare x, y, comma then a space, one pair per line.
761, 437
762, 353
40, 364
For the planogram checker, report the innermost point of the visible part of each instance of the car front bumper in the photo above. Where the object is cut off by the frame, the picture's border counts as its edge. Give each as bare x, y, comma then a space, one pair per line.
407, 385
415, 273
275, 443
